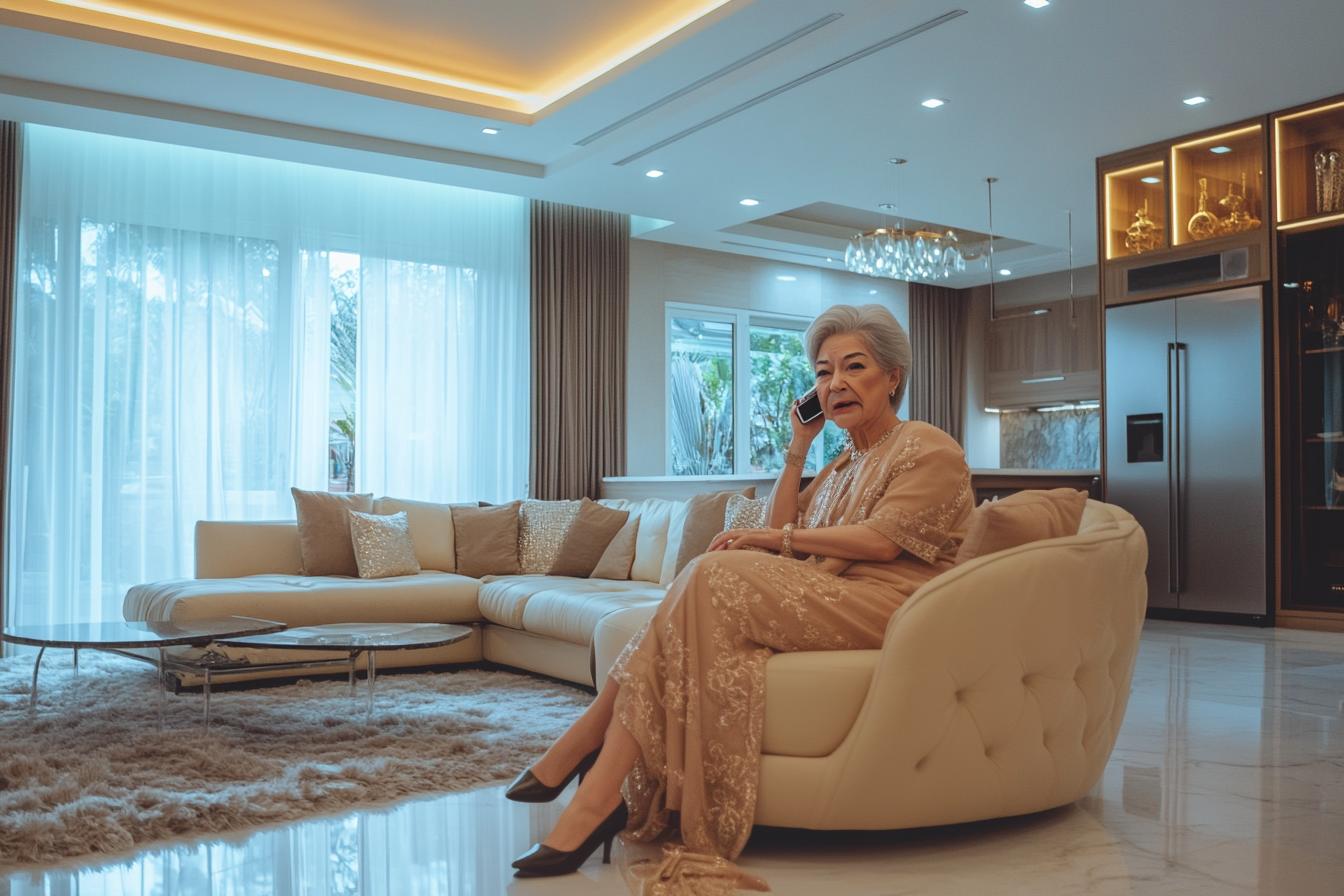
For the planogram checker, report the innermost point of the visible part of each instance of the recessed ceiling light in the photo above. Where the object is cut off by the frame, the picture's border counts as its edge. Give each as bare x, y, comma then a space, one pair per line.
1151, 180
1221, 149
654, 173
1195, 100
489, 130
933, 103
1004, 272
786, 278
896, 161
750, 202
872, 292
887, 206
830, 260
1037, 4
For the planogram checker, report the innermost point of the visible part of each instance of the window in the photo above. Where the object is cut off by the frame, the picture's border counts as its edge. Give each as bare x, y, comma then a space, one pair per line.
732, 379
200, 331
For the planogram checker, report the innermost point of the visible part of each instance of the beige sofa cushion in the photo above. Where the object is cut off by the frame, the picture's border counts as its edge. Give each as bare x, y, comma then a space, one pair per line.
431, 530
226, 550
310, 600
486, 539
813, 698
324, 531
592, 531
1021, 518
558, 607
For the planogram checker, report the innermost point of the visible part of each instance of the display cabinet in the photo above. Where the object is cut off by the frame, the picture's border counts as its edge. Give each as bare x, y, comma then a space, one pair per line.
1185, 213
1136, 209
1309, 166
1217, 184
1311, 290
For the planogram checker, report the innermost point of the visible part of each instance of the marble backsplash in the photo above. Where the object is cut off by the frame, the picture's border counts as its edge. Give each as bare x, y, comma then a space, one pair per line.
1050, 440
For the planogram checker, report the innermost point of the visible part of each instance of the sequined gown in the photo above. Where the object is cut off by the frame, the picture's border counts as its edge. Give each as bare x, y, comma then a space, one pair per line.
693, 681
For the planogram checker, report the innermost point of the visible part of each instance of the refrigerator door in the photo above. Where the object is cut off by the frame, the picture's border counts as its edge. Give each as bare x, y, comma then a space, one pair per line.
1222, 540
1137, 432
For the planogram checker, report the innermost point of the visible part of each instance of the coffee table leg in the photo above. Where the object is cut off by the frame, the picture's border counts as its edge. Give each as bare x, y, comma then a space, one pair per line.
160, 688
32, 697
76, 674
207, 698
373, 677
354, 655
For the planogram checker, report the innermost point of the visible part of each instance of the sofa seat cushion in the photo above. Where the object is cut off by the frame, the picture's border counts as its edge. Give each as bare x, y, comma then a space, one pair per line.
310, 600
558, 606
812, 699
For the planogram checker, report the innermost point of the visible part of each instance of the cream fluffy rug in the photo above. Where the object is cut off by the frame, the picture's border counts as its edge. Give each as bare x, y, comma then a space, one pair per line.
90, 774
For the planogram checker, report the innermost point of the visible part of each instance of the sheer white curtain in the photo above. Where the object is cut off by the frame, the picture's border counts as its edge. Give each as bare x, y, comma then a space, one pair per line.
172, 353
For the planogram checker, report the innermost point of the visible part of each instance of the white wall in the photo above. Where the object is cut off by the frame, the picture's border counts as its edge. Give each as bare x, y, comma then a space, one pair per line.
662, 273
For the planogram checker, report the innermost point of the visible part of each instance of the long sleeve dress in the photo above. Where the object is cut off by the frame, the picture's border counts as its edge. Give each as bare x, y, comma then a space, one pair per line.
692, 683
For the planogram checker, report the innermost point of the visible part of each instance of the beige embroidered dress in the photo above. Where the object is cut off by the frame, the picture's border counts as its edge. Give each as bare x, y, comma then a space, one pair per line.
693, 681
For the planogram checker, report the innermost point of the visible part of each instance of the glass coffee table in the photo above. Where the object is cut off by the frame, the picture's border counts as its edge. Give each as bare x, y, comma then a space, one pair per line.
121, 636
354, 638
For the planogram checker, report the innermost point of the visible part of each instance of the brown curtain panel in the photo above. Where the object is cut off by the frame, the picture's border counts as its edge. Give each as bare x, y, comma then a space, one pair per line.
937, 391
580, 307
10, 146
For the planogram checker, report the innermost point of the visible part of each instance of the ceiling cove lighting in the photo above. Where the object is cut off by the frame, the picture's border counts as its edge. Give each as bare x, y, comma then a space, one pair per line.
653, 173
1037, 4
1043, 379
750, 202
1151, 180
933, 103
1195, 100
1221, 149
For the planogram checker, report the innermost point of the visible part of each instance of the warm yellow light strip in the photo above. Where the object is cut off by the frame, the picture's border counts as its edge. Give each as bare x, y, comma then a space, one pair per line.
1278, 158
1316, 111
1110, 231
1311, 222
533, 101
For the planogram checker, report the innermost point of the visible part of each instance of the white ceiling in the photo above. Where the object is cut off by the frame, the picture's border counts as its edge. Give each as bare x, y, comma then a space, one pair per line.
1034, 97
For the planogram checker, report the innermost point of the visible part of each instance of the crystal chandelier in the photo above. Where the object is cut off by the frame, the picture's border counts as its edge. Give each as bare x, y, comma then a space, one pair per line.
906, 254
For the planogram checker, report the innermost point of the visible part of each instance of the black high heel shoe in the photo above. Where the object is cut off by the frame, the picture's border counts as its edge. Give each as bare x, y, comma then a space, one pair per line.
527, 789
543, 861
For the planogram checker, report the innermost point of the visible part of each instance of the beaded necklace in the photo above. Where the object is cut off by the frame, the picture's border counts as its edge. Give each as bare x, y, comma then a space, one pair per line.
835, 490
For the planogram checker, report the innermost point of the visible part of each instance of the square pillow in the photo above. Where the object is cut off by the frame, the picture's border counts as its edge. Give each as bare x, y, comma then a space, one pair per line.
324, 531
486, 540
744, 513
593, 529
383, 545
1022, 518
431, 528
541, 528
619, 556
705, 517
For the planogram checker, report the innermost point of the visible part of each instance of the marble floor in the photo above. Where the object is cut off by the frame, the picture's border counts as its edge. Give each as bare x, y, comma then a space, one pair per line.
1228, 778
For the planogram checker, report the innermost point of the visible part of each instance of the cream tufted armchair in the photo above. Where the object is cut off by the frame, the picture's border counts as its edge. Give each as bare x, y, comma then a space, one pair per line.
999, 690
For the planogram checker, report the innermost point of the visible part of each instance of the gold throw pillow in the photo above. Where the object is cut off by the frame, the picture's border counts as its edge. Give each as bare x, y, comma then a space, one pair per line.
383, 545
541, 528
593, 530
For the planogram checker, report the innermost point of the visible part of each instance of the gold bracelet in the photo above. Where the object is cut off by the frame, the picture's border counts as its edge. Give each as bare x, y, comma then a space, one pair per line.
786, 547
795, 460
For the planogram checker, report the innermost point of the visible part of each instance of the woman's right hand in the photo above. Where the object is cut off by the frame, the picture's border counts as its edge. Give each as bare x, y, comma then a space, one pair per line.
804, 433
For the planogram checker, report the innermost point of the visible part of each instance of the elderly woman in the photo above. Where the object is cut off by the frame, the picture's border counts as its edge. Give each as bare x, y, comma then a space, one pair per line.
677, 725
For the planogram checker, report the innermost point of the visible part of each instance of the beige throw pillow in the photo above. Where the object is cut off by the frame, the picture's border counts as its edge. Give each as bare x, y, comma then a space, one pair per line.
1020, 519
486, 540
593, 529
705, 517
324, 531
619, 556
431, 528
383, 545
542, 526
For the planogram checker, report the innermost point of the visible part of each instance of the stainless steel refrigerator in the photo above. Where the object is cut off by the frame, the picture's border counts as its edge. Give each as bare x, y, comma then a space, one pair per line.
1185, 445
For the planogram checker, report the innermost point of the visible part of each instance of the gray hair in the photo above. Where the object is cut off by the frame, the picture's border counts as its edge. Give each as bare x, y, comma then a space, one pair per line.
876, 326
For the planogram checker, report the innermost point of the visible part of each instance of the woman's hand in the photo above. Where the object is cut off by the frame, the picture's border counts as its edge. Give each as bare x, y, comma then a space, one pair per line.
804, 433
737, 539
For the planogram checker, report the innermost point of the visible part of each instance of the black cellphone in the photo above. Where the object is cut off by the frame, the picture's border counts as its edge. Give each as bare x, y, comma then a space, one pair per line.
809, 408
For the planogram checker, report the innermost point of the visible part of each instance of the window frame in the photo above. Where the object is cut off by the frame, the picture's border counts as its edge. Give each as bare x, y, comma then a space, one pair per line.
742, 319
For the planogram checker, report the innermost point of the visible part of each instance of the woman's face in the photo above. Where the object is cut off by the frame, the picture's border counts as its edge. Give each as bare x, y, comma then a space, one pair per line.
853, 389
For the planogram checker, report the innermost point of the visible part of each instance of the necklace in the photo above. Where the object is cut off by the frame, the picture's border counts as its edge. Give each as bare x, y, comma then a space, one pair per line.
858, 455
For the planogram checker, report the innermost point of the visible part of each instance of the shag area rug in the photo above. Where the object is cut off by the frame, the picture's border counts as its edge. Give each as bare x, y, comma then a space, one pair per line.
90, 773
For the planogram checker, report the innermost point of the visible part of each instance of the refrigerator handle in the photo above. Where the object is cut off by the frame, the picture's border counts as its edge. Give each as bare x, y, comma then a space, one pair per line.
1172, 518
1176, 472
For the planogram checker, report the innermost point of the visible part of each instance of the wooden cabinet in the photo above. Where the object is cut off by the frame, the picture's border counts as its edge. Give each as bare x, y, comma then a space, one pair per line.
1036, 360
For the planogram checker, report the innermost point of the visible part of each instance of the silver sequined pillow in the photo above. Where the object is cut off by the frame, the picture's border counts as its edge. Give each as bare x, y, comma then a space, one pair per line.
383, 545
541, 528
745, 513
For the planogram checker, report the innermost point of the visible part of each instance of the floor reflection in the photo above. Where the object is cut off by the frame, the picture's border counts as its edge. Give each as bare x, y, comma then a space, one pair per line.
1226, 779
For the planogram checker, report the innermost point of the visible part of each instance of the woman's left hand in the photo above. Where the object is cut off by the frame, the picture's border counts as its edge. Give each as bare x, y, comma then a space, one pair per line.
737, 539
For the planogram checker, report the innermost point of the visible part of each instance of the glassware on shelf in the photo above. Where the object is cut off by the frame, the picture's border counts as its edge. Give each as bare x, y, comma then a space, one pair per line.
1329, 182
1204, 224
1143, 235
1239, 219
